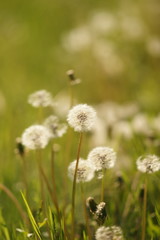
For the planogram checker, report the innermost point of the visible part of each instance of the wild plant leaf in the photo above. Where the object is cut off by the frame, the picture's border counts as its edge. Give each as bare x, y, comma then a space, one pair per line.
4, 228
32, 220
51, 223
157, 215
40, 225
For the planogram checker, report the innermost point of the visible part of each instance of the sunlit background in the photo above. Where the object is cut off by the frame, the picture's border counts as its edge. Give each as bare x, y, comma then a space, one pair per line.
113, 46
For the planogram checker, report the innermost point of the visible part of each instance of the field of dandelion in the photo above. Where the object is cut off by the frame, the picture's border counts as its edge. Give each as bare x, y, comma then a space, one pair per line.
79, 83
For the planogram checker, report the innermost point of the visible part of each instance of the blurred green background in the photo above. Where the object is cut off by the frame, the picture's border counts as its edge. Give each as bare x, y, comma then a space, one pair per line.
113, 46
33, 55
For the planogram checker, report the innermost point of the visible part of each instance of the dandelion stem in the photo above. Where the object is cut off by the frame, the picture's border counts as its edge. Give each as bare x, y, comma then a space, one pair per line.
15, 201
129, 198
144, 211
74, 185
103, 185
71, 95
53, 183
85, 212
68, 144
48, 186
39, 156
24, 170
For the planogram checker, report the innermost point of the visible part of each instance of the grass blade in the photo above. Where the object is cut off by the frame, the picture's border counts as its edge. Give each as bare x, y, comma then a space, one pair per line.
32, 220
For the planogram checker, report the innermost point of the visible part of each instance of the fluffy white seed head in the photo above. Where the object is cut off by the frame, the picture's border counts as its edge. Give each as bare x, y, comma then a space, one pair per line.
102, 157
109, 233
41, 98
148, 163
81, 117
85, 171
55, 128
35, 137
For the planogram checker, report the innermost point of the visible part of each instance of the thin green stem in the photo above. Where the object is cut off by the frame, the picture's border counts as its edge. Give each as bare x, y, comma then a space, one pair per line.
24, 171
74, 186
85, 212
71, 95
144, 211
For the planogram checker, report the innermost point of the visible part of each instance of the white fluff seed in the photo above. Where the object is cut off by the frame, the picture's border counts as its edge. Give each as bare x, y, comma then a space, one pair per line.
109, 233
81, 117
102, 158
55, 128
35, 137
148, 163
41, 98
85, 171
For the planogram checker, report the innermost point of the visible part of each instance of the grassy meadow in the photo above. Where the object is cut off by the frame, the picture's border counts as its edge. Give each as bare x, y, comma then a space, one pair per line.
113, 48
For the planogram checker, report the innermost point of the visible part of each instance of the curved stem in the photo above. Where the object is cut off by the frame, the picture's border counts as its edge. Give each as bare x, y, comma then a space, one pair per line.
15, 201
74, 186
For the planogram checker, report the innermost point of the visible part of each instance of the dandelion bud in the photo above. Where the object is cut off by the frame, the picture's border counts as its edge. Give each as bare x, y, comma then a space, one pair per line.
81, 117
102, 157
35, 137
72, 78
148, 163
109, 233
85, 171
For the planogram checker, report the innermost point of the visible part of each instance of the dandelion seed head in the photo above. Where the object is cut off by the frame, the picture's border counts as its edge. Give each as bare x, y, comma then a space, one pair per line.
148, 163
85, 171
81, 117
141, 124
102, 157
109, 233
41, 98
122, 129
55, 128
35, 137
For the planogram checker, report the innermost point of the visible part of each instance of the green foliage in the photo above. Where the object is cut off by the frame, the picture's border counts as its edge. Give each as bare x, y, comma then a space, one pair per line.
35, 226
